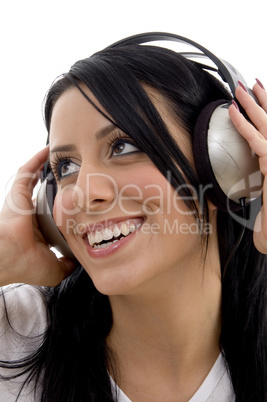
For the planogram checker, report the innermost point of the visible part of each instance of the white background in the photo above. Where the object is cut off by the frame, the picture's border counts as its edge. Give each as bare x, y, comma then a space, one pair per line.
42, 39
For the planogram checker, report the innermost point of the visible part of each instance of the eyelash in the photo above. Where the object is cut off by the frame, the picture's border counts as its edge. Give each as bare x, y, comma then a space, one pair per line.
56, 164
117, 138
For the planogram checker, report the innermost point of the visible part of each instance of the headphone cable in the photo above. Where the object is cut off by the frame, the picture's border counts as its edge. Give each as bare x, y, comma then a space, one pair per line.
240, 236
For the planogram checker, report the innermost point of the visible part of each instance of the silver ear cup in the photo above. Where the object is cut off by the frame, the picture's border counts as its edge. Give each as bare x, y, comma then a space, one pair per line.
47, 224
224, 161
234, 164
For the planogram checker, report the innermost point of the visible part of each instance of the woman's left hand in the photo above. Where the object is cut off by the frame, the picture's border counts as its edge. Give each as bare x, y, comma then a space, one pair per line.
256, 136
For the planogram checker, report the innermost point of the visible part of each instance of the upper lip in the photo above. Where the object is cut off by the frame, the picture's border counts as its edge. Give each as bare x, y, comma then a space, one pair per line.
107, 223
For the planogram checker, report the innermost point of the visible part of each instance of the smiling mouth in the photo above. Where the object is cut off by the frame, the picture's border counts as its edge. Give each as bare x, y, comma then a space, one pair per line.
112, 234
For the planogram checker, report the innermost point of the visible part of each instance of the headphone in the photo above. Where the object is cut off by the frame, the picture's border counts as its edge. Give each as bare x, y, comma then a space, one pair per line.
225, 164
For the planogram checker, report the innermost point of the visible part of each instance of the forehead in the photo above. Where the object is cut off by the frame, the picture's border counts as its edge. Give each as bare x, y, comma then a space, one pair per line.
72, 114
74, 99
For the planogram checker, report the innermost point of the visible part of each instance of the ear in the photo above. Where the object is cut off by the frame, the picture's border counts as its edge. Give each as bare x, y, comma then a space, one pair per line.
212, 207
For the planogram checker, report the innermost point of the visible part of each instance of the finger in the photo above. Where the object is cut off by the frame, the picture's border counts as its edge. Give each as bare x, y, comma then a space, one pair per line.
29, 173
261, 94
255, 112
255, 139
67, 266
260, 227
18, 198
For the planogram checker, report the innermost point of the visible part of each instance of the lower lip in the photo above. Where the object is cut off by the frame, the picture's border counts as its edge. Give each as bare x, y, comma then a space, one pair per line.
111, 249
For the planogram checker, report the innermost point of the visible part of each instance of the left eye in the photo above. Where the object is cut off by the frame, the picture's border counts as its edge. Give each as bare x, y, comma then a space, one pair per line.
122, 148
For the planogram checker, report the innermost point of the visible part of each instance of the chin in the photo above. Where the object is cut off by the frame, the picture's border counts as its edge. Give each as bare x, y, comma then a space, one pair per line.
116, 284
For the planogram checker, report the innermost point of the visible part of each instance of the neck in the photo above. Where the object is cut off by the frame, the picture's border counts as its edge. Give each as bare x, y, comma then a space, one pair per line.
171, 334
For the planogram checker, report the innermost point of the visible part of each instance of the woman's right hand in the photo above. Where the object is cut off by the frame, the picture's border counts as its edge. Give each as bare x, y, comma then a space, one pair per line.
25, 256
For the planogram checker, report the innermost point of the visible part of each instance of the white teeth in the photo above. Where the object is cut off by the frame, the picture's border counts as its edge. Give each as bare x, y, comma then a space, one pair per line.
131, 227
98, 237
116, 232
104, 245
91, 239
125, 229
109, 233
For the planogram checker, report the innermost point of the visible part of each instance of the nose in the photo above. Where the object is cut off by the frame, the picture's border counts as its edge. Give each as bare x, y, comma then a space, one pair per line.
95, 192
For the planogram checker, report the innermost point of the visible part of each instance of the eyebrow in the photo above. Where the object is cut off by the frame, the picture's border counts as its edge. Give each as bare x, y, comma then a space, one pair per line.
102, 133
63, 148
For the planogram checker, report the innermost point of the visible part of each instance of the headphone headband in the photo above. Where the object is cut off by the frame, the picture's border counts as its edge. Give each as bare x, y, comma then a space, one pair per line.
226, 71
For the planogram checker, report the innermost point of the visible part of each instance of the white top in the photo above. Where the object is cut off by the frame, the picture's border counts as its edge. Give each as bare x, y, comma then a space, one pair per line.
28, 316
217, 386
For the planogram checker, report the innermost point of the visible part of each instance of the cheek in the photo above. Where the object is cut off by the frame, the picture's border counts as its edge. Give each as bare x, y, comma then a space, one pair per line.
64, 209
153, 193
142, 191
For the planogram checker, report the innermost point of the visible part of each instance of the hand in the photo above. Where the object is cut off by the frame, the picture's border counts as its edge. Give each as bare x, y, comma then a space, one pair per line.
25, 256
256, 136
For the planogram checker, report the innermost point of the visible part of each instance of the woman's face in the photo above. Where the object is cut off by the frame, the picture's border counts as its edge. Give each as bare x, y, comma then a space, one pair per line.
124, 222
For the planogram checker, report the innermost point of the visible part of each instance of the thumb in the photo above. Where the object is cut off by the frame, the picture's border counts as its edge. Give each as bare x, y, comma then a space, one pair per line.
67, 266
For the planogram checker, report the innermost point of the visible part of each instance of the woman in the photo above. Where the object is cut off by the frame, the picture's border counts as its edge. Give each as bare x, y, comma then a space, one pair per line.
160, 304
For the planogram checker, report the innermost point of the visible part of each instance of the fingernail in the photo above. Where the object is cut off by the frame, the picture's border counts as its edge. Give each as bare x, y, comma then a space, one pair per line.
260, 83
242, 86
235, 105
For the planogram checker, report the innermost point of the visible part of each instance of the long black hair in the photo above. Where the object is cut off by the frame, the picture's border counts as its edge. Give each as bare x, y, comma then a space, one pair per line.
73, 361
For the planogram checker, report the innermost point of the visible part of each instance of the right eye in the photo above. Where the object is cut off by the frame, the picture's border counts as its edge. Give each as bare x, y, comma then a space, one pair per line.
66, 168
